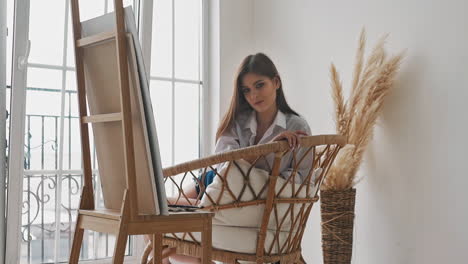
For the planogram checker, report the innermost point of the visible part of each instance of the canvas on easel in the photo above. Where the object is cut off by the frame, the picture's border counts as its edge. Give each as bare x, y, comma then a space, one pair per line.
113, 97
101, 88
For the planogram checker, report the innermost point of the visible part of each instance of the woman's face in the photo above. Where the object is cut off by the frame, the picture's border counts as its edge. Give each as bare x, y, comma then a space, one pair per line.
260, 91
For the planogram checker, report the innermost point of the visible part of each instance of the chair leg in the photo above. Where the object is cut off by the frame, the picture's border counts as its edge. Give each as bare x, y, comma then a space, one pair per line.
146, 253
157, 248
206, 241
77, 241
120, 244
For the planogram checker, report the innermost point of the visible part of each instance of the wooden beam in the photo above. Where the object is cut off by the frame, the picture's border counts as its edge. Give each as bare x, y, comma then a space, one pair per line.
94, 39
102, 118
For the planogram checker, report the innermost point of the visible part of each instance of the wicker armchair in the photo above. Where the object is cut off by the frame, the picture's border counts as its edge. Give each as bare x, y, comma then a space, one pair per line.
282, 205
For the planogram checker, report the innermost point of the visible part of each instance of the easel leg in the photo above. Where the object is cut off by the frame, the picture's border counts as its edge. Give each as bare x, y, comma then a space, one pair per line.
157, 248
122, 235
206, 242
120, 244
77, 241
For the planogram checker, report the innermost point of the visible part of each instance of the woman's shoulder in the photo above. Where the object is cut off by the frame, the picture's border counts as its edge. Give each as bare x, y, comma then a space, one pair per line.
296, 122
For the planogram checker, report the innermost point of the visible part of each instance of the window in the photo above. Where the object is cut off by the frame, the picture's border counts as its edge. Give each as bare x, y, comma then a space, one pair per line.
176, 77
52, 156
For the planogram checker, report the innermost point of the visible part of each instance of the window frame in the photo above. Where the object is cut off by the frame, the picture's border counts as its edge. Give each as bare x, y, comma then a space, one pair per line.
16, 171
17, 126
3, 48
18, 113
146, 24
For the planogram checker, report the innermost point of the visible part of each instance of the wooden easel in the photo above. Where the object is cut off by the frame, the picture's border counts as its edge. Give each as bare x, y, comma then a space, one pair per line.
126, 221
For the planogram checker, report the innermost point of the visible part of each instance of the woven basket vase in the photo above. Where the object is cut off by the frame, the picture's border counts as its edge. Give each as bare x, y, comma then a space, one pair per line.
337, 210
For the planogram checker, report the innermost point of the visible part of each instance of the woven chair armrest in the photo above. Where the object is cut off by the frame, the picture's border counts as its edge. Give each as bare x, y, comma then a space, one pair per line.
263, 149
223, 157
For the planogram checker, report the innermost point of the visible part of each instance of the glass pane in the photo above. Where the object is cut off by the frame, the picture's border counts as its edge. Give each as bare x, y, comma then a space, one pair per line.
71, 137
41, 142
110, 4
187, 38
43, 103
46, 32
70, 82
39, 101
44, 78
161, 97
70, 199
187, 120
38, 220
42, 119
161, 42
94, 163
71, 105
70, 47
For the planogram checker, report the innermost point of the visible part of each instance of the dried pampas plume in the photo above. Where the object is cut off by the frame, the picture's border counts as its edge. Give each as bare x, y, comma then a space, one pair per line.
355, 118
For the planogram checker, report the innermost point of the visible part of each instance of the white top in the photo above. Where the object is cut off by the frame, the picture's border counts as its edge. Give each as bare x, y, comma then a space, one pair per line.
242, 134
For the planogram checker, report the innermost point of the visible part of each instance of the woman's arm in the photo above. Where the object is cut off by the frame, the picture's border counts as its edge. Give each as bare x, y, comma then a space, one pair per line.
303, 169
229, 140
291, 136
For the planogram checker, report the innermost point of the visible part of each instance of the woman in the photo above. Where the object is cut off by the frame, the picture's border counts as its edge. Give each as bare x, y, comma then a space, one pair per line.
258, 114
258, 101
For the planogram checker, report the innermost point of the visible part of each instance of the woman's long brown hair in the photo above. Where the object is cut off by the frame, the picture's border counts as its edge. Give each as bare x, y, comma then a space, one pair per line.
259, 64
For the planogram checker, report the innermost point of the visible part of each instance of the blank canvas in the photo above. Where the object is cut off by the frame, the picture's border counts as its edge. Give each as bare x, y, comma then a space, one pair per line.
103, 97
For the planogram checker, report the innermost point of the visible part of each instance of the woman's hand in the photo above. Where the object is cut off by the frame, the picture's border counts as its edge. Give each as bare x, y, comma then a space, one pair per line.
291, 136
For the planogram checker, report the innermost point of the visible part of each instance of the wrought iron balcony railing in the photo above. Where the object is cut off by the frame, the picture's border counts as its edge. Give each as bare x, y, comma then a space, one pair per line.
51, 191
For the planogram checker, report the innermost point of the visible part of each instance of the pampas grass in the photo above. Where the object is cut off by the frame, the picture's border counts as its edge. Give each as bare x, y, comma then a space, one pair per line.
355, 118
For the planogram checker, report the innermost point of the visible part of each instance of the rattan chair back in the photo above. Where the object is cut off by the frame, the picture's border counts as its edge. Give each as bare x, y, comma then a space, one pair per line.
286, 197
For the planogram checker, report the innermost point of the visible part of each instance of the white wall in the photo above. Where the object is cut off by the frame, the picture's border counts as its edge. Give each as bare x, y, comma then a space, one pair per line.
410, 206
230, 40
